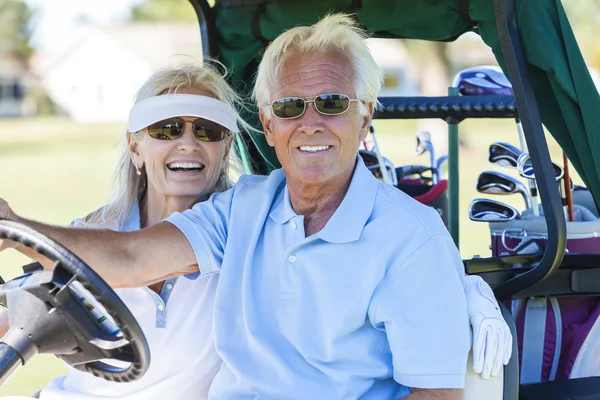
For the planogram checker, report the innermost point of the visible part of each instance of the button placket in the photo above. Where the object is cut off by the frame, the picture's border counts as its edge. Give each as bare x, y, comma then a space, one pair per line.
291, 270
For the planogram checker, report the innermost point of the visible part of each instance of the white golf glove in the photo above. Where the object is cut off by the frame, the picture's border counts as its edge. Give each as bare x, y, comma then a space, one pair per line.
492, 341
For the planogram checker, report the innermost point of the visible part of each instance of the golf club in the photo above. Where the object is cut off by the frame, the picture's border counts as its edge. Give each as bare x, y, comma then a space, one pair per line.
438, 166
487, 210
525, 168
385, 174
424, 144
493, 182
506, 155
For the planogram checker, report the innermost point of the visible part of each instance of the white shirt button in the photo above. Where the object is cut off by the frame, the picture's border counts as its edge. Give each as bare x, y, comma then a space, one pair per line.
169, 286
292, 258
161, 307
293, 225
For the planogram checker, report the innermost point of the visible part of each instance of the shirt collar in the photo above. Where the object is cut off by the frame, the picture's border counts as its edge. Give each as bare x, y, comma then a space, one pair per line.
347, 222
349, 219
282, 209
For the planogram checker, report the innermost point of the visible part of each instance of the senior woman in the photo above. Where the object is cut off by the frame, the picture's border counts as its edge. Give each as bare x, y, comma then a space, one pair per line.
175, 153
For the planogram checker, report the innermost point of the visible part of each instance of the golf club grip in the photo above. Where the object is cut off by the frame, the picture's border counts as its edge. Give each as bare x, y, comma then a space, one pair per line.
567, 184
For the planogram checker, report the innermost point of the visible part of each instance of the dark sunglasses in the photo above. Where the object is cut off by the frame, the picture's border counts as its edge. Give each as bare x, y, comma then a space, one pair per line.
172, 128
326, 104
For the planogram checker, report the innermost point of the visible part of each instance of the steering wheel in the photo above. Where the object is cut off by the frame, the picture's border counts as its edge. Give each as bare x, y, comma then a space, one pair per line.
48, 314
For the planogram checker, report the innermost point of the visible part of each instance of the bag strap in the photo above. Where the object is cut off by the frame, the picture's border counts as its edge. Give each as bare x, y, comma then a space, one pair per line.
534, 331
557, 346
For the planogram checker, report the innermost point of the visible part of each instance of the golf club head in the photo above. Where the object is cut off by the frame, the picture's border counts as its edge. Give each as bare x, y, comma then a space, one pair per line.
487, 210
525, 168
493, 182
487, 79
504, 154
423, 142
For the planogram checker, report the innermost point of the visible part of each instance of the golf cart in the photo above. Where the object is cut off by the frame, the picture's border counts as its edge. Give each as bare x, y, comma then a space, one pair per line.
552, 86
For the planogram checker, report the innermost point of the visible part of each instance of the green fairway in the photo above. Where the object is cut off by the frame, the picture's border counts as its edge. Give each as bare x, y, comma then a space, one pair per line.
54, 170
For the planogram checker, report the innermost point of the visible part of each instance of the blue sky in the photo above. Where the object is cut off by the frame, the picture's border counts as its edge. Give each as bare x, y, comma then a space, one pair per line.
57, 19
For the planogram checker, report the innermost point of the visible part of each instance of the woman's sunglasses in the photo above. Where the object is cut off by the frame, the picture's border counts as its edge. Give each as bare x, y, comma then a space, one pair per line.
326, 104
172, 128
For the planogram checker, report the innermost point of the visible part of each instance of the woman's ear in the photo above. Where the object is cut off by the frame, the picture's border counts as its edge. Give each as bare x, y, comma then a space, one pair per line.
134, 151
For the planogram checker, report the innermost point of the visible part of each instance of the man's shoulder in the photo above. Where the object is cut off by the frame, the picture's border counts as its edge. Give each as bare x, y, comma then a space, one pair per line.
403, 211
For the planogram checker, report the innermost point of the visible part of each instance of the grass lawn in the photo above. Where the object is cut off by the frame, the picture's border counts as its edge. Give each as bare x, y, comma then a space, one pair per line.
54, 170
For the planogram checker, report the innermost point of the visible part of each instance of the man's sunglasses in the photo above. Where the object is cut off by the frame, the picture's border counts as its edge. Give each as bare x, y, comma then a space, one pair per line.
326, 104
172, 128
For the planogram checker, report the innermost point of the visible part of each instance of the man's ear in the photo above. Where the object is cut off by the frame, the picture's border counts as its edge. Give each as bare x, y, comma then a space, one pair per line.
364, 129
134, 151
266, 122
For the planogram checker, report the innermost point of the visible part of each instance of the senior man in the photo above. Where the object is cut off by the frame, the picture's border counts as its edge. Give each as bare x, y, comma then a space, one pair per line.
333, 285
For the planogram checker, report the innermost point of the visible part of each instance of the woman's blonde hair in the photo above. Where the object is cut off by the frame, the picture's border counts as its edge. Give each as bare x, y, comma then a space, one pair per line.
334, 32
127, 187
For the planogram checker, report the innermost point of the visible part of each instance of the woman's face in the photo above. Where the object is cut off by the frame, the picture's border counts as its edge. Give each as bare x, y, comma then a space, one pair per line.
185, 167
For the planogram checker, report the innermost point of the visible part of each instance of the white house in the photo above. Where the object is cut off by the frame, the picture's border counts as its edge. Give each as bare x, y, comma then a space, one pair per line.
95, 77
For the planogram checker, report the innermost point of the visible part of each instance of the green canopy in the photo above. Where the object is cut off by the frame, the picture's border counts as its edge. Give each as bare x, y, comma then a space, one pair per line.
566, 95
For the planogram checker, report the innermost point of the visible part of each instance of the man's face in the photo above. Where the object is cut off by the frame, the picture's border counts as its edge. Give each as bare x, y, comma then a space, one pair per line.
314, 147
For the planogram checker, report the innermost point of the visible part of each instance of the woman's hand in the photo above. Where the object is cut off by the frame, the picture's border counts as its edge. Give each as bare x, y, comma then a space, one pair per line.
492, 341
6, 213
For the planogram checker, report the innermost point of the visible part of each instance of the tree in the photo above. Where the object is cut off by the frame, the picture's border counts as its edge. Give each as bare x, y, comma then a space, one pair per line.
15, 31
164, 10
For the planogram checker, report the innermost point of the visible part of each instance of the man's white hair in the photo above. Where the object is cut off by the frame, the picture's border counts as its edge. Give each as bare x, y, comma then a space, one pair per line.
334, 32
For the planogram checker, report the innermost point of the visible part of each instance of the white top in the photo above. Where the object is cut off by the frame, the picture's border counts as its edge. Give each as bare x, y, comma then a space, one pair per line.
367, 307
178, 327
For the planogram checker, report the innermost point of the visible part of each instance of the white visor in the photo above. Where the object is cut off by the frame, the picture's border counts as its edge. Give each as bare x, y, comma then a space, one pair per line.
153, 109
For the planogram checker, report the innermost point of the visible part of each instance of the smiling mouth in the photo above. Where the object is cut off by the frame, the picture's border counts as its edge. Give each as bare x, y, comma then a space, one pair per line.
313, 149
185, 166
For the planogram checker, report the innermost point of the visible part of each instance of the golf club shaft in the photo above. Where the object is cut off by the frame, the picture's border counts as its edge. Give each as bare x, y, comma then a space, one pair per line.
521, 136
567, 186
384, 173
532, 183
434, 175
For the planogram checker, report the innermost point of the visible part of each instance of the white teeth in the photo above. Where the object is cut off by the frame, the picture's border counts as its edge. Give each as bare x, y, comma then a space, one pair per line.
186, 165
313, 149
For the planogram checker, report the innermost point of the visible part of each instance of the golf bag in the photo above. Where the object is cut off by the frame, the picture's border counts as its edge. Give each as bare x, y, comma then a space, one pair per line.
558, 337
419, 187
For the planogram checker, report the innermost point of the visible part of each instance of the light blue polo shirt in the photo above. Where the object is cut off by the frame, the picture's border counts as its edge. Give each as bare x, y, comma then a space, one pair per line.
367, 307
